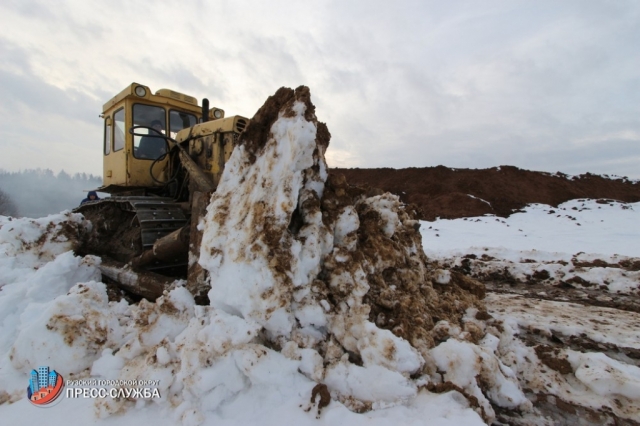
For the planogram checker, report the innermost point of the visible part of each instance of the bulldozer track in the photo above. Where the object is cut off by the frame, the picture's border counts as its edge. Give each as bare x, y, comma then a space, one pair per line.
156, 216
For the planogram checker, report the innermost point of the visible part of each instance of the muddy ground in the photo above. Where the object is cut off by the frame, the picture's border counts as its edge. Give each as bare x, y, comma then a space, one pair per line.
563, 305
444, 192
455, 193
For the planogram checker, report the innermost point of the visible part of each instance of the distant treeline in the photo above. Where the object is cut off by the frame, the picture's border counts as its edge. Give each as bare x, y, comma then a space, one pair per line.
38, 193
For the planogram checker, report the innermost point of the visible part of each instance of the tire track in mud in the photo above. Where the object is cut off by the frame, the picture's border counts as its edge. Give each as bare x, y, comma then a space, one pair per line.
556, 280
569, 294
555, 329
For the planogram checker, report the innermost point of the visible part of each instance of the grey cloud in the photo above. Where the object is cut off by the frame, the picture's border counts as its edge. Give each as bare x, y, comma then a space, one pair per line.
13, 56
608, 155
38, 97
272, 59
621, 155
33, 9
411, 83
179, 77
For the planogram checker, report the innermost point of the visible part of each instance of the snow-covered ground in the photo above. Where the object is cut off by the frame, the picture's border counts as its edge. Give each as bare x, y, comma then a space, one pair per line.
273, 348
588, 226
42, 307
586, 243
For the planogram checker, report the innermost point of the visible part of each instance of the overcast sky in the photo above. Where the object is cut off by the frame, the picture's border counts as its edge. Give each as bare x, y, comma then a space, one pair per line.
541, 85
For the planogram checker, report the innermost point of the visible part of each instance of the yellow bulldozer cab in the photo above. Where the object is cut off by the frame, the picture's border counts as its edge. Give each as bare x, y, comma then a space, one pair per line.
132, 161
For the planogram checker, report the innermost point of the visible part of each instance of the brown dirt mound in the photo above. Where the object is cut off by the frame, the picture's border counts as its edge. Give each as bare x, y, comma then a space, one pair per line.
444, 192
366, 278
403, 295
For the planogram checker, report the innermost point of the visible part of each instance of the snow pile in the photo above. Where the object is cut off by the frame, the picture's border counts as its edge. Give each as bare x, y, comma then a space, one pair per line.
31, 243
467, 365
605, 376
313, 283
36, 268
324, 308
335, 277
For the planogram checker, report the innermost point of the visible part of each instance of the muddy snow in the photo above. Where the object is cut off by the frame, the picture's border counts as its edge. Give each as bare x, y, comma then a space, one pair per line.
333, 304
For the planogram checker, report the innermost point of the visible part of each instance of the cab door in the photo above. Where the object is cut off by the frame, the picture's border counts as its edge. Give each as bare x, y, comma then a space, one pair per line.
148, 164
115, 158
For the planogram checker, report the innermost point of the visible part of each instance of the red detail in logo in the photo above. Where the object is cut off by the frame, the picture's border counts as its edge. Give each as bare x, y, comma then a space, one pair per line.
47, 395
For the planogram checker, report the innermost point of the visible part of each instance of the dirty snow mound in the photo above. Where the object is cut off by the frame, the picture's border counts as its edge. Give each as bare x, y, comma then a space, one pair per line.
25, 243
335, 276
321, 301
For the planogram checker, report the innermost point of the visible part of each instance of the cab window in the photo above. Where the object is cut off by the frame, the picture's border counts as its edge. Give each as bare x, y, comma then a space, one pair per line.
179, 120
118, 130
149, 146
107, 136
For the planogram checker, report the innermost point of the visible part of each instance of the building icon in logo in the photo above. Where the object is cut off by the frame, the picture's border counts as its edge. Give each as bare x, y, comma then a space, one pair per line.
44, 386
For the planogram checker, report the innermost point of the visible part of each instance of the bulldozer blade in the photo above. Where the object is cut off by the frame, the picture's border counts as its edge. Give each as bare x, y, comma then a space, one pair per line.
196, 275
170, 248
143, 283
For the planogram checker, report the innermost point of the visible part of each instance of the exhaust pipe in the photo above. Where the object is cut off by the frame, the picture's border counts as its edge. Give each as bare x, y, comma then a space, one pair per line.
205, 110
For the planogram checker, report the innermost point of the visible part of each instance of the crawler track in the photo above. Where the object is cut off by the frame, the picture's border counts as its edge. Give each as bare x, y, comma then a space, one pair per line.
123, 227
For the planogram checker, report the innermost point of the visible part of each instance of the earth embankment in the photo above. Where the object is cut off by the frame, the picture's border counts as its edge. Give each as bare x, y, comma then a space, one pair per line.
453, 193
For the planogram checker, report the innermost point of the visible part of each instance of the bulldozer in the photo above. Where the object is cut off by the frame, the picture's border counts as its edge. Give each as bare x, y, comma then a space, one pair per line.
163, 156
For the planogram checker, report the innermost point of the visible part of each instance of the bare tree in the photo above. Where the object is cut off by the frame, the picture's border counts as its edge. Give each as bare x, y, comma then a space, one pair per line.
7, 206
